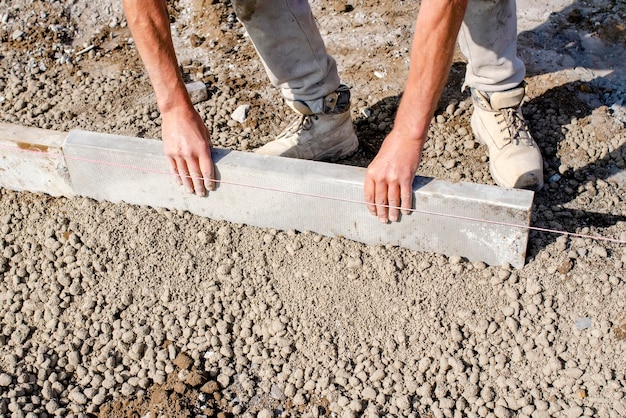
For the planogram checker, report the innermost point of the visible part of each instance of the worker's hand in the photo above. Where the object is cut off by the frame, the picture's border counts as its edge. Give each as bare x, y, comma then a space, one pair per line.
187, 145
389, 177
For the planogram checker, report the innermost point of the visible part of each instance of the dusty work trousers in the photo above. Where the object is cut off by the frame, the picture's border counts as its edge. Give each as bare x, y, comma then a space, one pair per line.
289, 44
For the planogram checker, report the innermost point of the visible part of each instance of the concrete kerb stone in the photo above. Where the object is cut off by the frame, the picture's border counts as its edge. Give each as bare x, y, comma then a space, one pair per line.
479, 222
282, 193
31, 159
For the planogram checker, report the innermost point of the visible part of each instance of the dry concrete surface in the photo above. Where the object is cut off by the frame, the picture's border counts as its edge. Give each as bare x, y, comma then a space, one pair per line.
115, 310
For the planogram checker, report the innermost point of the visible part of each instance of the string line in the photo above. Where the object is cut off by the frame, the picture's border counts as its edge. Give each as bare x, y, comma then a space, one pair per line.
318, 196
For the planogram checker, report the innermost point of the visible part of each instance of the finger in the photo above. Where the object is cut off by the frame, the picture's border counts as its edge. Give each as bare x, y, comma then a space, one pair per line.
208, 172
195, 176
183, 172
174, 170
406, 194
393, 197
369, 189
381, 203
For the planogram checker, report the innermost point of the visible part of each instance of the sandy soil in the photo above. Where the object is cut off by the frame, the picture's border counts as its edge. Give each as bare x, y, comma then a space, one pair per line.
116, 310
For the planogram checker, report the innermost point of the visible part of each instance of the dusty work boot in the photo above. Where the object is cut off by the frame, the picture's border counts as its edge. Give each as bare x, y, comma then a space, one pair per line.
323, 136
514, 157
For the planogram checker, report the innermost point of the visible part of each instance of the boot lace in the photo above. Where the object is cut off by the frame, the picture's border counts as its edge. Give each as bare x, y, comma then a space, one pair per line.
516, 126
301, 123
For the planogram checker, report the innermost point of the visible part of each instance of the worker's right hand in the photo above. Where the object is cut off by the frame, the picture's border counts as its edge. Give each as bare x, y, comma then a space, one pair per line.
187, 145
388, 184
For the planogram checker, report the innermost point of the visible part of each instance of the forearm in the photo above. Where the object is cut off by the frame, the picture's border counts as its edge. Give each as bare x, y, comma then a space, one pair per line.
434, 40
149, 23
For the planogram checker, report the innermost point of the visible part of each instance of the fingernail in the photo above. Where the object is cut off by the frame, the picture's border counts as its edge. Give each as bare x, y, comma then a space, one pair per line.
383, 220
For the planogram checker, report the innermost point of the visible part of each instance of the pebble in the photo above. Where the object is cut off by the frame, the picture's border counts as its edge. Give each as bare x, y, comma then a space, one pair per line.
78, 397
209, 387
241, 113
183, 361
197, 92
5, 380
600, 251
277, 393
470, 144
377, 376
17, 35
583, 323
368, 393
573, 412
501, 412
533, 287
265, 413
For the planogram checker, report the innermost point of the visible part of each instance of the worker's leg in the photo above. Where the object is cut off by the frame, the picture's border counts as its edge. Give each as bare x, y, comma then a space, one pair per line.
288, 42
488, 38
495, 75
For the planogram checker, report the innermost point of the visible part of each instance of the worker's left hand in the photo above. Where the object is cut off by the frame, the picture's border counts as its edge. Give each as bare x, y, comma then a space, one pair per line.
187, 144
389, 177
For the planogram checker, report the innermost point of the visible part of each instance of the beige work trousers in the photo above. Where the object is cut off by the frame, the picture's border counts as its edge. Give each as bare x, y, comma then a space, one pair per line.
287, 40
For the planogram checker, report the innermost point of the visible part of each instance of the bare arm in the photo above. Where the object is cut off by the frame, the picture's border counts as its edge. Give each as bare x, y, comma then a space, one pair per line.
186, 140
390, 176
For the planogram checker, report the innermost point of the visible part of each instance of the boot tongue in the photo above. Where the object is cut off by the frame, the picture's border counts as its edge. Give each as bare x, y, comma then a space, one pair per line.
507, 99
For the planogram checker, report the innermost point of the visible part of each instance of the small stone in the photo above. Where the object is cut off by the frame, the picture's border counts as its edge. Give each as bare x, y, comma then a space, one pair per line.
377, 375
197, 92
554, 178
99, 399
241, 113
74, 358
223, 380
180, 387
533, 287
210, 387
573, 412
5, 380
403, 403
600, 251
78, 397
368, 393
183, 361
565, 266
277, 393
449, 164
501, 412
469, 144
127, 389
277, 326
17, 35
265, 413
583, 323
573, 373
194, 379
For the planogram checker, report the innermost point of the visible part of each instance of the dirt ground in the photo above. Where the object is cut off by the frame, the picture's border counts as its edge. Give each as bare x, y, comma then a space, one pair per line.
113, 310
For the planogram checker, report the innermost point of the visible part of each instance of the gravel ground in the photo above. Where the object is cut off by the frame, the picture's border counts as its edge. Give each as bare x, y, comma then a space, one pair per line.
117, 310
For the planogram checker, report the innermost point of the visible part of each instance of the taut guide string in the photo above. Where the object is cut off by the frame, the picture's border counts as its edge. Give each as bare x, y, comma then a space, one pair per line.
360, 202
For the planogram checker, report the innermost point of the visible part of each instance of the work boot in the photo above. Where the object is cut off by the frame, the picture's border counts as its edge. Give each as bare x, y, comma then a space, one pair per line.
324, 136
514, 157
